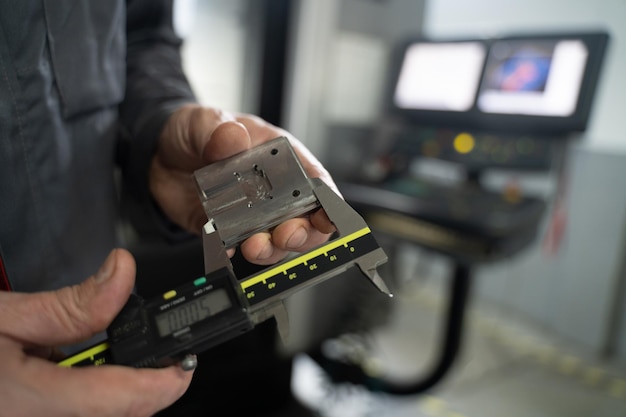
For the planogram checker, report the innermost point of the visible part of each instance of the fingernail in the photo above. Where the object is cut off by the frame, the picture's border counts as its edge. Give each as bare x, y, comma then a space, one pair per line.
297, 239
107, 268
266, 252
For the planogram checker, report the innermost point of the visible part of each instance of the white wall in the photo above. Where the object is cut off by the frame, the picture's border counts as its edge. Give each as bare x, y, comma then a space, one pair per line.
214, 49
449, 18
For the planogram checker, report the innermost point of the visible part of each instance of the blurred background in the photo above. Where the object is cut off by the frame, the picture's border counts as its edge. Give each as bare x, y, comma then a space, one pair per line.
545, 326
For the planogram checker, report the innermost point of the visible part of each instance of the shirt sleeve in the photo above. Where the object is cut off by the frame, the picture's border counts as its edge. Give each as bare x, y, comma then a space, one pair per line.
155, 87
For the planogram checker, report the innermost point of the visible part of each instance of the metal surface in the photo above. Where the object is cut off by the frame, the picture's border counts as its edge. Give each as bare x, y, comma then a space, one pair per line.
254, 191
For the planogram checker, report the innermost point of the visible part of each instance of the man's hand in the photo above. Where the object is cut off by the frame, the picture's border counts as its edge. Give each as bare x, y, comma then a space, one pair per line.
196, 136
31, 385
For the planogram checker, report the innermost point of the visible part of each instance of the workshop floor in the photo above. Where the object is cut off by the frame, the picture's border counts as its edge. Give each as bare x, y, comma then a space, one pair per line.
508, 367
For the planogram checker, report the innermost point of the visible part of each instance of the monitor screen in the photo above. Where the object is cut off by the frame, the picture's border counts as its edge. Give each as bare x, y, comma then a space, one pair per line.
529, 83
533, 77
440, 76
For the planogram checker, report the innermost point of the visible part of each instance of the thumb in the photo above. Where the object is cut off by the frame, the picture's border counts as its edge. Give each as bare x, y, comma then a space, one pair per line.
186, 142
228, 138
70, 314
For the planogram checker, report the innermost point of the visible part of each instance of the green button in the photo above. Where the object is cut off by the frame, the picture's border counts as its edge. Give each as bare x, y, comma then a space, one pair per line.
199, 281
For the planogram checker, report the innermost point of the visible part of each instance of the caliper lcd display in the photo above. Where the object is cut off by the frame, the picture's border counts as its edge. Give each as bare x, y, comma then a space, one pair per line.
192, 312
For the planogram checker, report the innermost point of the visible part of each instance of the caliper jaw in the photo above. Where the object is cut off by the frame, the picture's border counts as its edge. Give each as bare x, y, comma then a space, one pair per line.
347, 220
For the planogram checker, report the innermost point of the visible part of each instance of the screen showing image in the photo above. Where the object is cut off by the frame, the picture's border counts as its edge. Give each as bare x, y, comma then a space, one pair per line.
533, 77
440, 76
192, 312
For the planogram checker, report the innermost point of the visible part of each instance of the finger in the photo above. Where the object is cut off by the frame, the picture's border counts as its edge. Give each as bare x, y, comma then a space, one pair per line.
70, 314
132, 392
44, 352
260, 250
228, 139
319, 219
260, 131
297, 234
103, 390
185, 135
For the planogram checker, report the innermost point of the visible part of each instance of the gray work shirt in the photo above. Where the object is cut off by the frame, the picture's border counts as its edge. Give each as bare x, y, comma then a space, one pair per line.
85, 87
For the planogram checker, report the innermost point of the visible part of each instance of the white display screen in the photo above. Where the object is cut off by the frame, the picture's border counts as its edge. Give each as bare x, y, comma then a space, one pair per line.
537, 78
440, 76
192, 312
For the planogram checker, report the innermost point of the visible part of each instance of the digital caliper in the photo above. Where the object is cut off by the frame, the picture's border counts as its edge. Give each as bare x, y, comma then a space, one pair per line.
248, 193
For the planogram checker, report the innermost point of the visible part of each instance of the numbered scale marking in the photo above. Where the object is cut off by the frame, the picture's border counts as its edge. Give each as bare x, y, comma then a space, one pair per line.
305, 267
